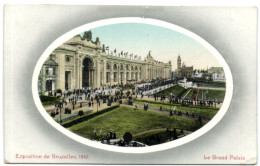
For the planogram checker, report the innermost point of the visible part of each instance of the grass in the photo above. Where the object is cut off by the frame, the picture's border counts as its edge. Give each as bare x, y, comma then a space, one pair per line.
148, 133
47, 103
176, 90
211, 94
49, 100
216, 94
126, 119
209, 112
213, 84
189, 95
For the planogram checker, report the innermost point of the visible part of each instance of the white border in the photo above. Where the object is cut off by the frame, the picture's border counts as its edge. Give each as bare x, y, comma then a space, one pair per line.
164, 146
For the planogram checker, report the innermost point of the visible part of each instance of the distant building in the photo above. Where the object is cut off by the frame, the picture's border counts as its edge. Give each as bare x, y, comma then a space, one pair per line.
175, 73
218, 77
183, 70
218, 70
197, 74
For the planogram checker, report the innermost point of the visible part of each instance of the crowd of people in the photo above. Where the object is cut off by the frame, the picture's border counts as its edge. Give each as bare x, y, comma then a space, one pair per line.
154, 84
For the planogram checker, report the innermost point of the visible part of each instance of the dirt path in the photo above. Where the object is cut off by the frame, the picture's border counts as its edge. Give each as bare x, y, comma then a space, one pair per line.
164, 111
186, 94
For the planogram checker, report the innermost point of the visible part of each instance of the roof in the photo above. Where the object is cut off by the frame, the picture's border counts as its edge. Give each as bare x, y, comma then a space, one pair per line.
50, 62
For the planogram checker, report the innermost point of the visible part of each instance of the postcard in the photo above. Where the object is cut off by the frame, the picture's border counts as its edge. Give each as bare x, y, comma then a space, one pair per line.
85, 86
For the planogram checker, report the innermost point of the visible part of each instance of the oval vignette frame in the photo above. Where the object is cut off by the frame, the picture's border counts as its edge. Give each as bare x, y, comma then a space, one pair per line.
154, 148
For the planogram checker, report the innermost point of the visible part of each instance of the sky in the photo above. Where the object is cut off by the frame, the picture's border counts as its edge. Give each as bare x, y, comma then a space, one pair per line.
165, 44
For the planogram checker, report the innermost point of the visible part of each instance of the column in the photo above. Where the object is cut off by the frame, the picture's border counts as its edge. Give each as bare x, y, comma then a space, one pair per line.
125, 74
112, 74
89, 78
105, 72
92, 78
97, 74
80, 75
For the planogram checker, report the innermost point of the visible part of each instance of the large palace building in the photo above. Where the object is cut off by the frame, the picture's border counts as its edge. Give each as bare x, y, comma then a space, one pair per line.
80, 63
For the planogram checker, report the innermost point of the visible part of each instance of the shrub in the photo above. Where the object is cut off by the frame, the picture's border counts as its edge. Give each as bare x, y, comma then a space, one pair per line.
59, 91
89, 116
48, 100
80, 113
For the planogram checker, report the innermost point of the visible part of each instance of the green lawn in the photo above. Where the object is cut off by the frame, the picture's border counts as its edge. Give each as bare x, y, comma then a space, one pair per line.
200, 95
126, 119
206, 94
216, 94
176, 90
209, 112
189, 95
213, 84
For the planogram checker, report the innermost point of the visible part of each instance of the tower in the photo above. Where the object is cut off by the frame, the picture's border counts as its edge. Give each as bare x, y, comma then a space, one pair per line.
179, 66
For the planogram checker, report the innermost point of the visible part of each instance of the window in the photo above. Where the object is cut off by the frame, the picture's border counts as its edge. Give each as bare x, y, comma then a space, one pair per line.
50, 71
115, 66
108, 66
67, 59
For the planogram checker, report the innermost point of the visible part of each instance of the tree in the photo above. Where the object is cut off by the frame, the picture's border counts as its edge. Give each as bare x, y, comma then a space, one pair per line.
87, 35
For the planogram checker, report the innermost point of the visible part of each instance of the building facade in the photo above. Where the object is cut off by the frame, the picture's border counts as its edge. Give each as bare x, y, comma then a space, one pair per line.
81, 63
218, 70
183, 70
218, 77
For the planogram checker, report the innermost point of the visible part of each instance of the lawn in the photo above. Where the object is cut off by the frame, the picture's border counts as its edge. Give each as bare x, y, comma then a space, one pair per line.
189, 95
126, 119
204, 94
216, 94
176, 90
208, 112
213, 84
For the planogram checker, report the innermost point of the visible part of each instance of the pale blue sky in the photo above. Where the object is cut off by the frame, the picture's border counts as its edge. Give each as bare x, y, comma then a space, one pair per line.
164, 43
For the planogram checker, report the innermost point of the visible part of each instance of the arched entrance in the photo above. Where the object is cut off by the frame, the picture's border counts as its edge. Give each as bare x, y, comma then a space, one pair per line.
87, 73
50, 85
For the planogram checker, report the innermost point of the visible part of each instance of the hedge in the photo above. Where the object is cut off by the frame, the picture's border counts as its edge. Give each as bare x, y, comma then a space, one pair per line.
173, 104
88, 116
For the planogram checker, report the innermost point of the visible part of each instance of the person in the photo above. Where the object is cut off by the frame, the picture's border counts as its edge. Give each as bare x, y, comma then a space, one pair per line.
114, 135
171, 114
108, 138
89, 103
101, 132
111, 134
161, 107
121, 142
95, 133
53, 114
